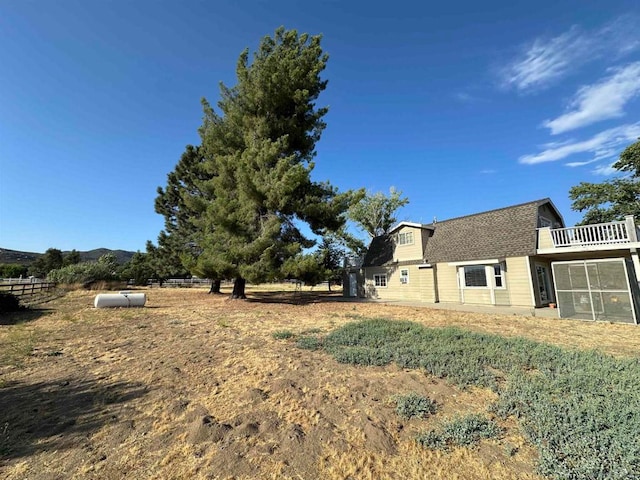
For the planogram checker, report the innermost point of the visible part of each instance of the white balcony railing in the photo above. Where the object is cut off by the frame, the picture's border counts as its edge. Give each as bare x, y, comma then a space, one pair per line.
598, 234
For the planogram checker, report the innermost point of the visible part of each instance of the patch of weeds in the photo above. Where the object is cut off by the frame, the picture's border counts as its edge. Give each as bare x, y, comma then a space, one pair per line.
460, 432
312, 331
511, 450
363, 356
282, 334
579, 409
68, 317
223, 324
309, 343
17, 345
414, 405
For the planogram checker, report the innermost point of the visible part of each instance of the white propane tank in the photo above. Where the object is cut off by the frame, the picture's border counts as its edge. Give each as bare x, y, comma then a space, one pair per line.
122, 299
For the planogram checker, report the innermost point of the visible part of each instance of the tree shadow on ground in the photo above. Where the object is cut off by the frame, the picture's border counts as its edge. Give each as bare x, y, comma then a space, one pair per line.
295, 298
23, 315
50, 416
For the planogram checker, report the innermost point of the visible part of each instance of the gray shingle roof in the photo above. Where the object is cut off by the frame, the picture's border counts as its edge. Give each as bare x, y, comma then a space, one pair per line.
506, 232
380, 251
501, 233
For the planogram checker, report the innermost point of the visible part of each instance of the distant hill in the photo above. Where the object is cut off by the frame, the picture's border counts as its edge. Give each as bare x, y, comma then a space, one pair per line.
26, 258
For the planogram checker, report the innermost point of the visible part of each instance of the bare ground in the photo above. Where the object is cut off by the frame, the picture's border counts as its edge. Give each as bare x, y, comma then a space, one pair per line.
195, 386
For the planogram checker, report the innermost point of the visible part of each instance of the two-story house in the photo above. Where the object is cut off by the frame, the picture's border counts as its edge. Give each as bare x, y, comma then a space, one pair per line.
521, 255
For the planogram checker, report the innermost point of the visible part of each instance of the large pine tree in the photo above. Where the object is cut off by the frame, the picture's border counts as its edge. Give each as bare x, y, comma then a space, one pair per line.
261, 147
181, 202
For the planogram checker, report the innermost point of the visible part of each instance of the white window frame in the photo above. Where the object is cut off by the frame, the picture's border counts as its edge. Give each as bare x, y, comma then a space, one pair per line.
501, 276
490, 276
404, 276
405, 238
378, 280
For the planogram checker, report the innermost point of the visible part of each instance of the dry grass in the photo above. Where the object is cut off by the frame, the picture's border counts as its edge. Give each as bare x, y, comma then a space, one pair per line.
196, 386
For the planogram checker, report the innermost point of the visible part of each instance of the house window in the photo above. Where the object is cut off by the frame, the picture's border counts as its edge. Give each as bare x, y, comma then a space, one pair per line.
544, 222
404, 276
405, 238
478, 275
380, 280
498, 275
475, 276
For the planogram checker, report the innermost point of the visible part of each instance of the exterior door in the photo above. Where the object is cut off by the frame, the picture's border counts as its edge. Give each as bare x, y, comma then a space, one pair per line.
353, 285
544, 284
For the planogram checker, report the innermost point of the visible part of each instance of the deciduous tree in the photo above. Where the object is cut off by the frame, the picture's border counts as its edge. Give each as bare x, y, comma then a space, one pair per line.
376, 212
612, 199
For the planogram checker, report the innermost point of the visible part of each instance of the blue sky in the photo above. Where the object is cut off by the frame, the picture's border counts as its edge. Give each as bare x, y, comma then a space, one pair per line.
464, 106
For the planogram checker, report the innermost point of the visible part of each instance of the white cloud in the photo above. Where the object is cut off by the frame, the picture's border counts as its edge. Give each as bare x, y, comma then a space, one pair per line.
580, 164
605, 144
600, 101
605, 170
546, 60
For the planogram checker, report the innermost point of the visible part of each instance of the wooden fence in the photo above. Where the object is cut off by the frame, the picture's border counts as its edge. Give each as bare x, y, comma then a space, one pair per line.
21, 289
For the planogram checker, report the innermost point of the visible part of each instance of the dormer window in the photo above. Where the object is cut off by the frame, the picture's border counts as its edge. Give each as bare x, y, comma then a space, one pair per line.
405, 238
544, 222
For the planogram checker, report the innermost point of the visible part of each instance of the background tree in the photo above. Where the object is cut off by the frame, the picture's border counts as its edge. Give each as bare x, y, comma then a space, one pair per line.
322, 265
612, 199
376, 212
12, 270
331, 256
50, 260
261, 148
71, 258
137, 269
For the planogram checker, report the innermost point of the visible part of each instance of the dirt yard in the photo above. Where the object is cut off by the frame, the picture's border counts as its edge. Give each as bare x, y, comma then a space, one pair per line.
196, 386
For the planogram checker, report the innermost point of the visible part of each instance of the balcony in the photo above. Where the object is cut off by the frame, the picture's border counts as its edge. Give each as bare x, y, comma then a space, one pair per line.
601, 236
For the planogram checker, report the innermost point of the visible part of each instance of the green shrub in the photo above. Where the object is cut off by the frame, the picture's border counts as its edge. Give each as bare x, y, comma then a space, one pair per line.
282, 334
460, 432
580, 409
9, 303
414, 405
85, 273
309, 343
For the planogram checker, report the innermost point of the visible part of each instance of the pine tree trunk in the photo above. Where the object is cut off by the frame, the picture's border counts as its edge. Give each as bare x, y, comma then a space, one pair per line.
215, 286
238, 288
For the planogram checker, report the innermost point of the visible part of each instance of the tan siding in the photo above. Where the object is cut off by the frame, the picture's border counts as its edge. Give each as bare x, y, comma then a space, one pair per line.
517, 289
447, 283
503, 296
419, 287
427, 284
409, 252
544, 238
518, 284
371, 291
480, 296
